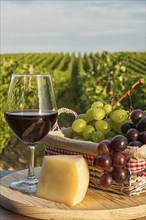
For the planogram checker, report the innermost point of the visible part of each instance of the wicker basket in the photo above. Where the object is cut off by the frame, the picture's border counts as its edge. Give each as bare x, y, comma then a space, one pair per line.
60, 142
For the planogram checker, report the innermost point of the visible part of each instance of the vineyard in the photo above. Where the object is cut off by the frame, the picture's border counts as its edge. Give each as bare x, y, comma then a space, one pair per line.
78, 79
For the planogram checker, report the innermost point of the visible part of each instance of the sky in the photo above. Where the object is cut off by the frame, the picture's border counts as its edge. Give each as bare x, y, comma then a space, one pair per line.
72, 25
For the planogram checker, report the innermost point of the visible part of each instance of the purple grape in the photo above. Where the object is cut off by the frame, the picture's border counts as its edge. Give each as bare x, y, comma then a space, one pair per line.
106, 180
132, 134
142, 137
136, 115
119, 159
104, 147
126, 126
119, 143
135, 143
103, 161
142, 124
120, 175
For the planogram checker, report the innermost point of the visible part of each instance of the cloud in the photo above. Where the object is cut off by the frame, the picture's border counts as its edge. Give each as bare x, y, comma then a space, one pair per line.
28, 23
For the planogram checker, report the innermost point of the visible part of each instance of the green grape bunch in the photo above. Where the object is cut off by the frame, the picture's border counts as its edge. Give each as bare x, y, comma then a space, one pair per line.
99, 122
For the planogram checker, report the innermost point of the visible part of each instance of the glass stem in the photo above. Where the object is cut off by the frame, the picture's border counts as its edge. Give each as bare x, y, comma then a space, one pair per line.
31, 174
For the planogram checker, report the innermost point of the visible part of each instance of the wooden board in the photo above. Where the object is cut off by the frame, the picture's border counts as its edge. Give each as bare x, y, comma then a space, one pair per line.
96, 205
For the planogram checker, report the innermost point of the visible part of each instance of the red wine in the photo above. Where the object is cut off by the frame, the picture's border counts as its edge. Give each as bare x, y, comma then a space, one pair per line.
31, 125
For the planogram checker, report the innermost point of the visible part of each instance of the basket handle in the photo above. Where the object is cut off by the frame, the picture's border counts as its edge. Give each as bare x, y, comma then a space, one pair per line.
66, 111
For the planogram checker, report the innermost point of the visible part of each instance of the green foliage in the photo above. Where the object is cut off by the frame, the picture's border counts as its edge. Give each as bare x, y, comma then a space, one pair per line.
78, 80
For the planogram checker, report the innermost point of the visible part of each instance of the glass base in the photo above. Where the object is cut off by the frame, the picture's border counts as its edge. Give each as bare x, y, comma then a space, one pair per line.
26, 186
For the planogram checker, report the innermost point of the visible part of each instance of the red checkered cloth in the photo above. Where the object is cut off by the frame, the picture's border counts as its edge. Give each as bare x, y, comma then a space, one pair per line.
142, 174
56, 151
136, 166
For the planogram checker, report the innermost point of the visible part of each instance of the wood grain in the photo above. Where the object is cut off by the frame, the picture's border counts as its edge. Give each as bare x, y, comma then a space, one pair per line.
96, 205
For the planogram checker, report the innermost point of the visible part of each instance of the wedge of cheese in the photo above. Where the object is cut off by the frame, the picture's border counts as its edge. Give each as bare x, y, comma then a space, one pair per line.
64, 179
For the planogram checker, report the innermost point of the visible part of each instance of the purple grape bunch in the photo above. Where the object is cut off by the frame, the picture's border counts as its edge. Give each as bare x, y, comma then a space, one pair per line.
112, 160
135, 129
111, 157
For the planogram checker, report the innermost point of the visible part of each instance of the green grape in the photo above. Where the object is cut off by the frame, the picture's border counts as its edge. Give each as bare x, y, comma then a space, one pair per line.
107, 108
98, 136
82, 139
109, 121
117, 127
79, 138
82, 116
98, 114
93, 123
102, 126
89, 114
74, 134
111, 134
111, 114
76, 137
88, 131
78, 125
97, 104
119, 115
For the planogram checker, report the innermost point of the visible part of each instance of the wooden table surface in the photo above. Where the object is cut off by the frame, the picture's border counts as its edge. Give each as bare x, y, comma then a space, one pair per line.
8, 215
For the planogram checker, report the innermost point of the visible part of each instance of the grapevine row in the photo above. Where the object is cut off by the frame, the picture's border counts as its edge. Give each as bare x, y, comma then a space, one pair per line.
78, 80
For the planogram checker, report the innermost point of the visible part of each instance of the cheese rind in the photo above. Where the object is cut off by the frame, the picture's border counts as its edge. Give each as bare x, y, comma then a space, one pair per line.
64, 179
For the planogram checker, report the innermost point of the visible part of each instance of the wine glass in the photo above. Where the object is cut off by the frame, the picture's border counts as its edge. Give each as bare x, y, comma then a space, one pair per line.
30, 112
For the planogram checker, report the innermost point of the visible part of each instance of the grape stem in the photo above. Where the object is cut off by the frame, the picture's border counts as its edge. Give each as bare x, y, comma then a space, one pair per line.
128, 93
